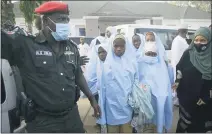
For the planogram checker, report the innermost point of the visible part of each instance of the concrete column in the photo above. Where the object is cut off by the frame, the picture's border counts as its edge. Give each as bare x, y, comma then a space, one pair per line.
91, 26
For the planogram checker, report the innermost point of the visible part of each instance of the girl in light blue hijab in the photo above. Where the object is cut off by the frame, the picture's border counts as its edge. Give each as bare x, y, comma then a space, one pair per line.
91, 67
93, 77
137, 45
153, 72
118, 76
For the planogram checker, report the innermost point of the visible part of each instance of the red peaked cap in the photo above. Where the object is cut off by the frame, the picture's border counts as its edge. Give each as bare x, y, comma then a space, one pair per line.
52, 6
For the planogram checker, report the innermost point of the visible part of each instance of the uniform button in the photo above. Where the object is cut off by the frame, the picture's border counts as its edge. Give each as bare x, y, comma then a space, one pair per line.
44, 62
63, 89
61, 73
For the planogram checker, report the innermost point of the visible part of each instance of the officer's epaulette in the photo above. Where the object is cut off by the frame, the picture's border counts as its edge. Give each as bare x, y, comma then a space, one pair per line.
16, 32
26, 34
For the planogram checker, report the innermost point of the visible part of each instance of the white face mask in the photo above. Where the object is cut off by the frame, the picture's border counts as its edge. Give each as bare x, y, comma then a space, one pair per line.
150, 46
62, 31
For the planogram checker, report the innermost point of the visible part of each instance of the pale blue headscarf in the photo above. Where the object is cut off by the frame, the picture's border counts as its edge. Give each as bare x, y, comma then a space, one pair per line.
91, 67
119, 74
95, 65
112, 30
153, 71
135, 53
101, 40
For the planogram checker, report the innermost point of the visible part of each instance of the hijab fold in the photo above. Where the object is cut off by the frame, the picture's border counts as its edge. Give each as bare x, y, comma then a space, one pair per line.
95, 69
116, 84
153, 71
136, 53
202, 60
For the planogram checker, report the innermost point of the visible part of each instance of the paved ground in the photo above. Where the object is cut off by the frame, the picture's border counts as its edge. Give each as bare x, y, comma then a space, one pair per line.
89, 122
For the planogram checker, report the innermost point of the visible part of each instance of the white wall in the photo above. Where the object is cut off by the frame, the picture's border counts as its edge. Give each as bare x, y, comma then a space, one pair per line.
75, 24
104, 24
144, 21
193, 23
75, 30
171, 22
196, 23
91, 24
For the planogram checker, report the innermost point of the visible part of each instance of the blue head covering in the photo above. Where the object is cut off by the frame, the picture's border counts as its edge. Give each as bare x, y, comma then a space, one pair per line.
115, 62
94, 68
153, 71
99, 39
117, 79
112, 30
91, 67
100, 65
135, 53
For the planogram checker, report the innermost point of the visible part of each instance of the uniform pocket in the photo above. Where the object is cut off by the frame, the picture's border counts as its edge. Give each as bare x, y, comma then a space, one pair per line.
43, 64
43, 61
70, 76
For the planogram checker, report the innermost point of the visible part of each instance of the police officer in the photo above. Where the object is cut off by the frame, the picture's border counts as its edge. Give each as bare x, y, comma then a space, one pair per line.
50, 68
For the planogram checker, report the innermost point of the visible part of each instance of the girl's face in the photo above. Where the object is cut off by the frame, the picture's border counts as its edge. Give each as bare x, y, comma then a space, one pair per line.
136, 41
108, 33
119, 47
200, 40
150, 38
200, 43
102, 54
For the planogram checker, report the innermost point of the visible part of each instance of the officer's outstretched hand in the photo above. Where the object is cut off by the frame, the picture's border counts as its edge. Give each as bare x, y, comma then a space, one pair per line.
83, 60
96, 108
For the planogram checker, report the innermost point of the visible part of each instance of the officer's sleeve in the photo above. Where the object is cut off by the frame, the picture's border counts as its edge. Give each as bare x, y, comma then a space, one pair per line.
6, 46
11, 49
18, 50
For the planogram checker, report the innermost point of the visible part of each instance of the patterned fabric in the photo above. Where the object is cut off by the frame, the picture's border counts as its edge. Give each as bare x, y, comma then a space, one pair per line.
140, 100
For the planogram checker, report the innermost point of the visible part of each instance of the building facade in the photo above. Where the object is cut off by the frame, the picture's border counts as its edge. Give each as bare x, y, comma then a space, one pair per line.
89, 18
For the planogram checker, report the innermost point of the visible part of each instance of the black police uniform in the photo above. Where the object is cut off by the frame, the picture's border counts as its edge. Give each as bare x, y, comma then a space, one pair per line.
49, 80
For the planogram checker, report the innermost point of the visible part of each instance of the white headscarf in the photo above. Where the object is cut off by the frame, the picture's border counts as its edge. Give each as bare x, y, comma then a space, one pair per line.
112, 30
101, 39
154, 72
135, 53
117, 80
94, 69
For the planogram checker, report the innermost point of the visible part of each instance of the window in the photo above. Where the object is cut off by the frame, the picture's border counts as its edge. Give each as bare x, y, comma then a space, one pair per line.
164, 39
82, 32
